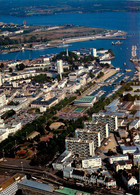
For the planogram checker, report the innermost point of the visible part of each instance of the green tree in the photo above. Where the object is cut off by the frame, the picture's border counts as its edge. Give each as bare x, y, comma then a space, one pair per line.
10, 69
20, 66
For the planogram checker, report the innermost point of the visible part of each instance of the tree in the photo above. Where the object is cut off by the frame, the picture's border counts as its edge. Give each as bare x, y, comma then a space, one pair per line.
91, 74
100, 75
10, 69
2, 65
20, 66
58, 77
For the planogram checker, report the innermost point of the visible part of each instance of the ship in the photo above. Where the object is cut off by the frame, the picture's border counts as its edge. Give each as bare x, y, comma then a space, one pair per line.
128, 70
117, 43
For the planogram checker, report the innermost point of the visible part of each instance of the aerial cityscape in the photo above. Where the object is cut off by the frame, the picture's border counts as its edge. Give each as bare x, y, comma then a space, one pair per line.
69, 97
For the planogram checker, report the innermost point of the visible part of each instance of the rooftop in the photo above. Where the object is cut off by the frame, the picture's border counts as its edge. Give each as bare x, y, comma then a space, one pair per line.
70, 191
10, 181
73, 139
85, 99
37, 185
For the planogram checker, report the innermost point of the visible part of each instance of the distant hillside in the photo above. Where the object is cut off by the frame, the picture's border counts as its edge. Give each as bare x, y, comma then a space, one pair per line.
43, 7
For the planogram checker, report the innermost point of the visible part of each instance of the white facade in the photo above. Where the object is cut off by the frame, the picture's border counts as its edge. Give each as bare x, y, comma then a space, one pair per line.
60, 66
105, 61
11, 186
135, 124
136, 155
43, 109
121, 165
94, 52
132, 181
3, 135
118, 158
128, 149
2, 100
1, 79
110, 119
92, 162
81, 147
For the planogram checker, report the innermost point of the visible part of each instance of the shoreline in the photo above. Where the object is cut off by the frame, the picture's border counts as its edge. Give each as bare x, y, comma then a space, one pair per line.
73, 40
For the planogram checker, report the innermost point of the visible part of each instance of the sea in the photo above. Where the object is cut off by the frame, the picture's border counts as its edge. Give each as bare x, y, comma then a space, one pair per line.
126, 21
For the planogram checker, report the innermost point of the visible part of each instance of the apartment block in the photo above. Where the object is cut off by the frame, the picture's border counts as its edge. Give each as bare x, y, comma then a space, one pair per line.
86, 134
111, 120
99, 127
83, 148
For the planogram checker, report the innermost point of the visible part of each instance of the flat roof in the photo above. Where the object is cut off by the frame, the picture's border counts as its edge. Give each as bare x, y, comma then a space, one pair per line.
37, 185
38, 101
70, 191
10, 181
128, 147
137, 113
85, 99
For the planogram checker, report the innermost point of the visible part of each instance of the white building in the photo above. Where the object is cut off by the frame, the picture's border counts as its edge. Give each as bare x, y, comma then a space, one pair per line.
129, 182
81, 147
60, 66
118, 158
72, 76
94, 52
86, 134
62, 83
2, 99
11, 185
135, 124
63, 161
121, 165
3, 135
128, 149
92, 162
112, 120
1, 82
46, 60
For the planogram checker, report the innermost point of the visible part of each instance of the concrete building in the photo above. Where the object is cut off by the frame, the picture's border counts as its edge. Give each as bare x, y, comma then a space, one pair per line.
2, 99
1, 81
72, 76
86, 101
41, 102
128, 149
83, 148
135, 124
60, 67
114, 103
63, 161
130, 181
110, 119
33, 187
99, 127
118, 158
10, 186
92, 162
86, 134
122, 165
94, 52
